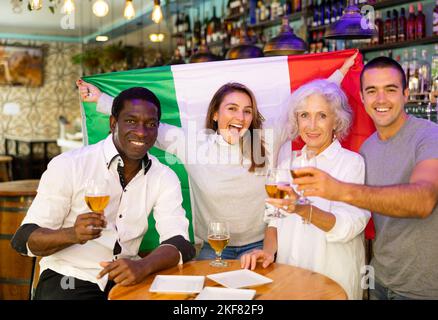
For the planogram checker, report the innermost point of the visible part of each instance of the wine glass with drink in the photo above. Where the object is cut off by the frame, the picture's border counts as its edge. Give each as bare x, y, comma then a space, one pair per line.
274, 178
218, 238
97, 196
301, 159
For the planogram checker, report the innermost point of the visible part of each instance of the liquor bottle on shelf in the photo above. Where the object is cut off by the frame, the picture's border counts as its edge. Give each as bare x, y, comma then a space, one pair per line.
262, 11
435, 19
331, 44
394, 27
296, 5
257, 12
322, 13
243, 6
413, 75
215, 26
340, 8
268, 11
209, 31
378, 38
320, 45
174, 25
411, 24
327, 12
287, 7
274, 9
316, 19
177, 27
405, 64
222, 26
424, 74
197, 31
312, 47
181, 24
333, 11
402, 25
204, 29
388, 27
234, 7
187, 24
420, 22
434, 67
280, 10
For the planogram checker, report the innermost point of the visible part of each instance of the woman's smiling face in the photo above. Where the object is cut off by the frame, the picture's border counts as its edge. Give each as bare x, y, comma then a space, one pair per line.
234, 116
316, 123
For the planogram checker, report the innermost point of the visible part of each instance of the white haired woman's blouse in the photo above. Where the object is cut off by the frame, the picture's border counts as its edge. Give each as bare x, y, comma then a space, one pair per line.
338, 253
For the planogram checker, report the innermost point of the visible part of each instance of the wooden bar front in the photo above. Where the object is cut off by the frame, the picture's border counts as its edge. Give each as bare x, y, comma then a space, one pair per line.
15, 269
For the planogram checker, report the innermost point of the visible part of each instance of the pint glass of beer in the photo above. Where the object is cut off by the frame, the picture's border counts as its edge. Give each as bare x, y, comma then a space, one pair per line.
97, 195
218, 238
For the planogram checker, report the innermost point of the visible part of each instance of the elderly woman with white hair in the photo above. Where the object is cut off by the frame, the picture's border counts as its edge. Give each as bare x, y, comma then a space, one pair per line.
331, 243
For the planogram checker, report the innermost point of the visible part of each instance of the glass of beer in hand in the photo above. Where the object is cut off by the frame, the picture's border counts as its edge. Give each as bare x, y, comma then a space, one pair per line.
274, 178
301, 159
97, 195
218, 238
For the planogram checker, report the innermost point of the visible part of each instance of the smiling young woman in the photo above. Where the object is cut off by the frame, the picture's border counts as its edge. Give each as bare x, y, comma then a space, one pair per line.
232, 113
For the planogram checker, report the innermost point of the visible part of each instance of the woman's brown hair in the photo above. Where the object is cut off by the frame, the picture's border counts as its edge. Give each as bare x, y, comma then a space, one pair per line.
254, 129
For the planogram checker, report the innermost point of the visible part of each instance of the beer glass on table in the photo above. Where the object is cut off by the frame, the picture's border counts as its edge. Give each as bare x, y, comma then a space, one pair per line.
97, 196
277, 177
301, 159
218, 238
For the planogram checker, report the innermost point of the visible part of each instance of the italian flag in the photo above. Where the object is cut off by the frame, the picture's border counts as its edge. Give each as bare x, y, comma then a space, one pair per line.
186, 90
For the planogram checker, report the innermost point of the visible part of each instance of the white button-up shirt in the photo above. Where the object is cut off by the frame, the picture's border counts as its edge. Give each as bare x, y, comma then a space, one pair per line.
60, 199
338, 253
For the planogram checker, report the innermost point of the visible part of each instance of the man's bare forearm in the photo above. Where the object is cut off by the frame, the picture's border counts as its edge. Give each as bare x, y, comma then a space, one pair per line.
414, 200
44, 242
161, 258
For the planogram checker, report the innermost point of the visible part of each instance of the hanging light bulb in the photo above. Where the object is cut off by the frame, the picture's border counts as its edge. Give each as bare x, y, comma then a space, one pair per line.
35, 4
156, 37
129, 12
69, 7
102, 38
157, 14
100, 8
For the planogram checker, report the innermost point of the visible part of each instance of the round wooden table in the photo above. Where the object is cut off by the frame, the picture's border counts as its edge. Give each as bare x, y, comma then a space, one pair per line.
290, 283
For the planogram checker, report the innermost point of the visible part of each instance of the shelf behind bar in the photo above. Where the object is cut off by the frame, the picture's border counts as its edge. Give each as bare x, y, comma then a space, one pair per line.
269, 23
397, 45
318, 28
236, 16
390, 3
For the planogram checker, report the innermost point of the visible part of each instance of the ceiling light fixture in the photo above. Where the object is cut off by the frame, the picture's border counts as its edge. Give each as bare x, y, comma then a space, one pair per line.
100, 8
156, 37
69, 7
351, 25
129, 11
285, 43
157, 14
35, 4
102, 38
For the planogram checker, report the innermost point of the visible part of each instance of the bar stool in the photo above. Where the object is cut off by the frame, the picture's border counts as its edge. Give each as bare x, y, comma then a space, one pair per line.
6, 168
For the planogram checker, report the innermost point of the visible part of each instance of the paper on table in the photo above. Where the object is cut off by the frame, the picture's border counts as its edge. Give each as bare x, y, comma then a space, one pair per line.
213, 293
177, 284
239, 279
